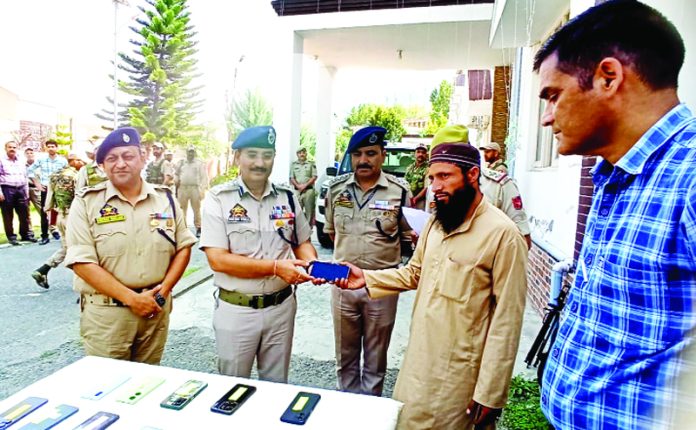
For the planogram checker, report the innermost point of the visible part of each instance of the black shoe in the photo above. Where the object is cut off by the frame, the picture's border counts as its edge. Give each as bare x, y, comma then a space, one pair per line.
13, 242
30, 239
41, 279
44, 241
56, 235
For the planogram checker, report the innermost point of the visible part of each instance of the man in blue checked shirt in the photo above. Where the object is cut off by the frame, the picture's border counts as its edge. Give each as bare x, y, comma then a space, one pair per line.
625, 346
41, 172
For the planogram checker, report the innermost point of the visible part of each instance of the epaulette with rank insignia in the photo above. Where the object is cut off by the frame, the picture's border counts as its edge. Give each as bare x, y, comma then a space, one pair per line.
495, 176
227, 186
86, 190
398, 181
284, 187
341, 178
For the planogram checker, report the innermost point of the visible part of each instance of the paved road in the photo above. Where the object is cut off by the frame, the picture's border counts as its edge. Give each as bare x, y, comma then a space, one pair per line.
41, 334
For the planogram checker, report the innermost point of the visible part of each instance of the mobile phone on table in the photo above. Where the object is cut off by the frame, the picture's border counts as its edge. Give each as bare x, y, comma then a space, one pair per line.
328, 271
20, 410
300, 408
183, 395
139, 389
233, 399
49, 417
102, 388
98, 421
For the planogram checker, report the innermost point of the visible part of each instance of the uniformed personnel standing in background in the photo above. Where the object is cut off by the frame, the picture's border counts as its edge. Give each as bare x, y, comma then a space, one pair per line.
128, 245
61, 192
415, 176
91, 174
191, 183
256, 240
154, 171
364, 218
169, 170
303, 175
491, 155
498, 187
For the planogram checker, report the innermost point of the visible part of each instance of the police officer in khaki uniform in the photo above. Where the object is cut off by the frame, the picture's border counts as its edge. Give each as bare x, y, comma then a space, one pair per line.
303, 175
498, 187
256, 240
363, 216
191, 182
169, 170
491, 155
128, 245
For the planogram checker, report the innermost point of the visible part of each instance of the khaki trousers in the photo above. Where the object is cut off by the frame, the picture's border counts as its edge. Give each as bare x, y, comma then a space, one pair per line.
307, 201
58, 256
362, 325
116, 332
243, 334
191, 193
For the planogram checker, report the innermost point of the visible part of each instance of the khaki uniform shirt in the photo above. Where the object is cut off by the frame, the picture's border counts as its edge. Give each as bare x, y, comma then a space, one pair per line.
499, 166
129, 247
303, 172
466, 321
358, 238
192, 173
168, 169
233, 219
502, 191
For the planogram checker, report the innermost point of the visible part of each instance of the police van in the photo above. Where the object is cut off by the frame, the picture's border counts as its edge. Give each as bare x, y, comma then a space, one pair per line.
399, 157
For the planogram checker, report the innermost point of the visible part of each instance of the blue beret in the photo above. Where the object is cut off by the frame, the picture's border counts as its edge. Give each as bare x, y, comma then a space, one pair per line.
256, 137
367, 136
126, 136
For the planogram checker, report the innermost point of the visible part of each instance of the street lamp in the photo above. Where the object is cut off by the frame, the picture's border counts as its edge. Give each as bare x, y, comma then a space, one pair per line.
116, 3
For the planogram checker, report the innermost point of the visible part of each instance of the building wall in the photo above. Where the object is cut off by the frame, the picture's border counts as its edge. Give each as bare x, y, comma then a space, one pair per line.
558, 197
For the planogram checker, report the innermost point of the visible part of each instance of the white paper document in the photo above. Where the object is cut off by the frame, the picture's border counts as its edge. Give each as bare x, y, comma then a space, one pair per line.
416, 218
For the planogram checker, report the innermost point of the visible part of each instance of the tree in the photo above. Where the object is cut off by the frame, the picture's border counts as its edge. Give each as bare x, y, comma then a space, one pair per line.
163, 103
389, 117
250, 111
308, 141
64, 139
440, 106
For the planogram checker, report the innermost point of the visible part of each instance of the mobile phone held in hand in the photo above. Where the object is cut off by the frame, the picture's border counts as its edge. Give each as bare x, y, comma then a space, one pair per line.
233, 399
328, 271
300, 408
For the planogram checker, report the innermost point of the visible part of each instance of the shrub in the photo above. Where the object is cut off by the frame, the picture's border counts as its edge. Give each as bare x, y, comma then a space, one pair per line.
523, 411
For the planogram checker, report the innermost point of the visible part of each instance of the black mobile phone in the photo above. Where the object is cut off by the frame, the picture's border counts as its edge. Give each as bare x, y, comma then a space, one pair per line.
233, 399
328, 271
300, 408
183, 395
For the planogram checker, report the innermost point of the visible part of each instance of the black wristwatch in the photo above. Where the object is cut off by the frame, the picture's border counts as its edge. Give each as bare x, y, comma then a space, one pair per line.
160, 299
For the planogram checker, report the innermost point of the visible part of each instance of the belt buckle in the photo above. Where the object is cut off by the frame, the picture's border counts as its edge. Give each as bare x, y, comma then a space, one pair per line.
256, 302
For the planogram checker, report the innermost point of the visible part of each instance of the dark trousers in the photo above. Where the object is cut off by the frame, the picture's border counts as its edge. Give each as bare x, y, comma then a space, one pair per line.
44, 216
16, 200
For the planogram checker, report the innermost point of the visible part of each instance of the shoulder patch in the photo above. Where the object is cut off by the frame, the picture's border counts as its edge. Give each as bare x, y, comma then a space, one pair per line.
339, 179
86, 190
227, 186
398, 181
495, 176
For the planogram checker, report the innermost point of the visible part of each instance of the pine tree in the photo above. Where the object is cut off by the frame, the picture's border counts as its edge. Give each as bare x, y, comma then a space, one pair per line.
162, 102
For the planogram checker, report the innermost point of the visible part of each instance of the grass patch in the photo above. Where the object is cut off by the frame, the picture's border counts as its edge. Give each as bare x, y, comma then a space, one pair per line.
523, 411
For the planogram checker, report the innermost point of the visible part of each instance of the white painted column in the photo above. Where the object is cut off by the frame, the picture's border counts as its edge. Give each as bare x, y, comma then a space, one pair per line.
326, 134
287, 106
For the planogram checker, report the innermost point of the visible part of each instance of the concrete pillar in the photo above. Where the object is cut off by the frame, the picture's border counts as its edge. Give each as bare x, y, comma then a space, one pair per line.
326, 134
287, 106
